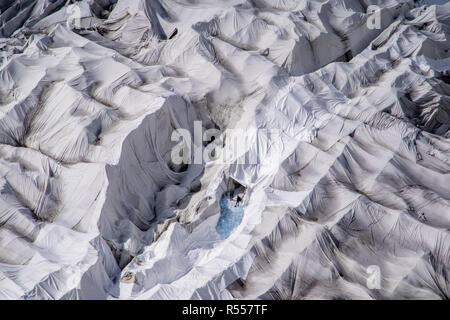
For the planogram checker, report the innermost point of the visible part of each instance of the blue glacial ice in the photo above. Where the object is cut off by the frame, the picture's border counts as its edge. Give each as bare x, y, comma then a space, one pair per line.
230, 217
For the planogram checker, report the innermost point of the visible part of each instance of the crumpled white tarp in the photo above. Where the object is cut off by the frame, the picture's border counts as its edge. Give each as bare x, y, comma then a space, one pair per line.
354, 175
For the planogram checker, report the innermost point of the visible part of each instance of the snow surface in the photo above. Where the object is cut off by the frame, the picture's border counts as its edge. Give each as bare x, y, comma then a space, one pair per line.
92, 207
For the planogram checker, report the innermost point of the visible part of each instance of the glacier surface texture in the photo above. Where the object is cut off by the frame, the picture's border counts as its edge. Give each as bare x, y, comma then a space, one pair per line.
349, 197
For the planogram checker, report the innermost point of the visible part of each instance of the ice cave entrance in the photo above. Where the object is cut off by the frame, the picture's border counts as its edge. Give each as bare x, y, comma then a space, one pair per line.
231, 211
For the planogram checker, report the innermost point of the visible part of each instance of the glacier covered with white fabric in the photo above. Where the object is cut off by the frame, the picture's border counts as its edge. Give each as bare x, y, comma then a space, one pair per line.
92, 205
